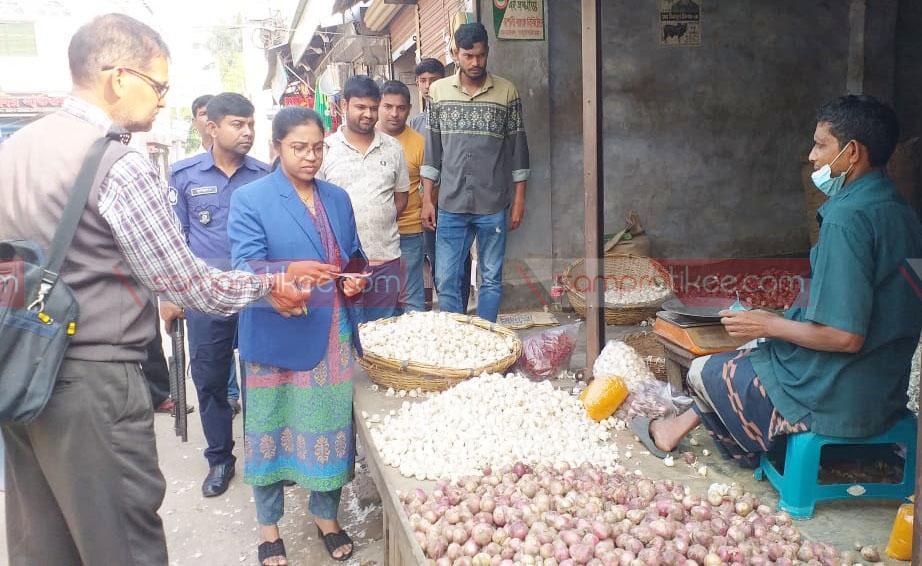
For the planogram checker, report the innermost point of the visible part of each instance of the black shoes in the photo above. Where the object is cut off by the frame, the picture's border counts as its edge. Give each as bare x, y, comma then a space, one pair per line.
218, 479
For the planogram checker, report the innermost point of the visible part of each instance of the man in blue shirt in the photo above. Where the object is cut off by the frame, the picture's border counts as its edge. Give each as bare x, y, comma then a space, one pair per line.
838, 362
200, 191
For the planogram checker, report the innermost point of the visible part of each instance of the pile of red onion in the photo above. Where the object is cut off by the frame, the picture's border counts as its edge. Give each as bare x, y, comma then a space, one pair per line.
560, 516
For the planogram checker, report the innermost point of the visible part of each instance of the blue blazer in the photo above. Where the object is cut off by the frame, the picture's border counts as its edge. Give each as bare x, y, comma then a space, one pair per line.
269, 227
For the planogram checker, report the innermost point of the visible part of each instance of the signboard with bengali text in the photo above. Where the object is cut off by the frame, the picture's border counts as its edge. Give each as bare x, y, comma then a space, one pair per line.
29, 103
519, 19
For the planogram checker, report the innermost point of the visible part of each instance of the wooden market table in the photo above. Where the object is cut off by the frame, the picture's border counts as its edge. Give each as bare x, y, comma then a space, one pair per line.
400, 548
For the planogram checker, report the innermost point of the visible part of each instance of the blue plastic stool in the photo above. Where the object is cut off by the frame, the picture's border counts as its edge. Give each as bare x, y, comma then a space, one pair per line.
798, 488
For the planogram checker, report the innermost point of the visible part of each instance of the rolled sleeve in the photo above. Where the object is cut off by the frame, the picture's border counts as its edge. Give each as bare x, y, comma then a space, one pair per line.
520, 175
429, 172
841, 287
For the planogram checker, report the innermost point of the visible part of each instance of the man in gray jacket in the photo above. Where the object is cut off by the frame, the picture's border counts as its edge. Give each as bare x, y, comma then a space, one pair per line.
83, 483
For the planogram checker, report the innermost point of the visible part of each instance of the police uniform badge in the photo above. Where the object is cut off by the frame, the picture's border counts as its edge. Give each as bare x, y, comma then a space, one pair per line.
204, 217
172, 196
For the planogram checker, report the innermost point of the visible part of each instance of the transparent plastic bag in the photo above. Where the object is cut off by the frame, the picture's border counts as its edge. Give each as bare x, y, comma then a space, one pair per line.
649, 396
654, 399
547, 353
618, 358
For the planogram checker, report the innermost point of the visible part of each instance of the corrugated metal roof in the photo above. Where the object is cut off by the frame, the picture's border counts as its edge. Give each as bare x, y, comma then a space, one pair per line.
434, 18
403, 26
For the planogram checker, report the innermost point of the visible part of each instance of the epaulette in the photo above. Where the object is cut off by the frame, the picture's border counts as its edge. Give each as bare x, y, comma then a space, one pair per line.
186, 163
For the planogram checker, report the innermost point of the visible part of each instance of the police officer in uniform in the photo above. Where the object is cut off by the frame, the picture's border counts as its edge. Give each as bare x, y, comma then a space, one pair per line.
200, 191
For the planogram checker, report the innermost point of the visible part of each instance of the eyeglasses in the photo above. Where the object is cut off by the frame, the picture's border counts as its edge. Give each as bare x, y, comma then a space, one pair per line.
160, 89
302, 151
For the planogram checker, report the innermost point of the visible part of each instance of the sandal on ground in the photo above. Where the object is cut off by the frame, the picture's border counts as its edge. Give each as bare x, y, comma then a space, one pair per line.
640, 426
333, 541
274, 549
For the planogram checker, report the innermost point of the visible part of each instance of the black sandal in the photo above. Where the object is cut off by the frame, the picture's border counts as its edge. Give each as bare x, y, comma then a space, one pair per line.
640, 426
274, 549
333, 541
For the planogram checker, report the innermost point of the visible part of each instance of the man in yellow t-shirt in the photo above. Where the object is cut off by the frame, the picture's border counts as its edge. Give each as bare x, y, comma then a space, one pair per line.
394, 111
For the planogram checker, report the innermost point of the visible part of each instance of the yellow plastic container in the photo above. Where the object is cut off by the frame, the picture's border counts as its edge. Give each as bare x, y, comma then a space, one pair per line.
900, 545
603, 396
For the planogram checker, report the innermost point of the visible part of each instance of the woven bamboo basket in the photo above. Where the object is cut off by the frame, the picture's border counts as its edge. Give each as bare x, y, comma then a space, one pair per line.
649, 348
405, 374
616, 267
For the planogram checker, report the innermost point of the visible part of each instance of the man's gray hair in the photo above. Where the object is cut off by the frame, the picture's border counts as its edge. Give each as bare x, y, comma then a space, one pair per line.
112, 40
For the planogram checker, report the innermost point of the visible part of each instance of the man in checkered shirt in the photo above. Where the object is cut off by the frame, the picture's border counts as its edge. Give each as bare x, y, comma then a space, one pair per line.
83, 481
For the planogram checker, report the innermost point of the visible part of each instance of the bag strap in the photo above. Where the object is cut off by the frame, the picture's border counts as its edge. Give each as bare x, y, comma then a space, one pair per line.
73, 211
67, 225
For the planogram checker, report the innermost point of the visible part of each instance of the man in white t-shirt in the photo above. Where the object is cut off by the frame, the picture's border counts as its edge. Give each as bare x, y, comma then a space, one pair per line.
370, 166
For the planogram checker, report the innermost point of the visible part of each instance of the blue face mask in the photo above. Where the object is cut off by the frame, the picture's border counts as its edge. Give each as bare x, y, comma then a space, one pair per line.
824, 180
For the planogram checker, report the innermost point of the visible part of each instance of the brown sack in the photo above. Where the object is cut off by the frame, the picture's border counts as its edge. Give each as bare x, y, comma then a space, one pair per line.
638, 244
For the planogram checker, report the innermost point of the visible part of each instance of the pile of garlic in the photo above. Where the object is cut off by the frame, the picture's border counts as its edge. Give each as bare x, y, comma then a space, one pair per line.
617, 358
491, 421
913, 392
633, 296
436, 339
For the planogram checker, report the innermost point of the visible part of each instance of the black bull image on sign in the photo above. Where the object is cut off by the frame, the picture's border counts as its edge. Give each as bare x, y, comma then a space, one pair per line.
674, 30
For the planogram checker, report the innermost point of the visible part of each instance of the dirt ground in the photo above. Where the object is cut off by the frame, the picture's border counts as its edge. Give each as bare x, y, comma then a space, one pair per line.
223, 530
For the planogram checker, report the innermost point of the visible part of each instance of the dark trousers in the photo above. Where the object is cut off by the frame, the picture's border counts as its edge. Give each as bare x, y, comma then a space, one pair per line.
382, 294
211, 351
83, 484
429, 250
156, 370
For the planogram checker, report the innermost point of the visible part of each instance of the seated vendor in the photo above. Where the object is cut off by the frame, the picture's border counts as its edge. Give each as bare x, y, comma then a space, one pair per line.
838, 362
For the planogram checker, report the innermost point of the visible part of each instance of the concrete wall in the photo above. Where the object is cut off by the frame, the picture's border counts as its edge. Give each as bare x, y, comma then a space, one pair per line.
529, 249
706, 143
908, 95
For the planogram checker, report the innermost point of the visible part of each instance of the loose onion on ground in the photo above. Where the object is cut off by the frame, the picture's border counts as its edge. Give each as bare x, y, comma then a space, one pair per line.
599, 518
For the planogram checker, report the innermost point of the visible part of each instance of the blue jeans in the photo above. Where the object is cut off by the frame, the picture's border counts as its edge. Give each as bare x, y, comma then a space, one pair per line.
270, 503
233, 390
453, 238
412, 297
429, 250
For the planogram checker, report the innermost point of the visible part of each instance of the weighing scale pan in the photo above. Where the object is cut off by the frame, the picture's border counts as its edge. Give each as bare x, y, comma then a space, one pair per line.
697, 313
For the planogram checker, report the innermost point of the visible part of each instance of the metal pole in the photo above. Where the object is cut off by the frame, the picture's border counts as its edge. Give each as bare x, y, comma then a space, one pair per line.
593, 176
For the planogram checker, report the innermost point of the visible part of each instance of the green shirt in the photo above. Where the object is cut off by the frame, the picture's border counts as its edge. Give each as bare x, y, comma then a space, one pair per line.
858, 284
476, 147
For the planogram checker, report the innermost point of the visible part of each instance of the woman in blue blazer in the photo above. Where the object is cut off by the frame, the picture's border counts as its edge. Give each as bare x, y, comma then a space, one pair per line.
298, 413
